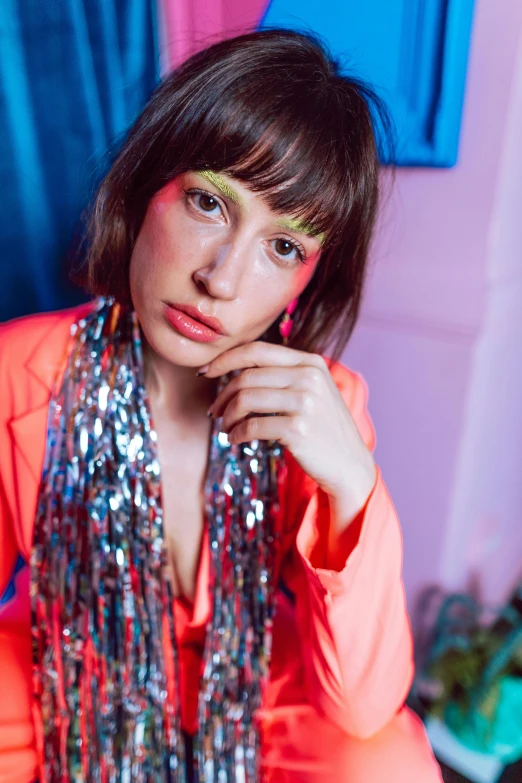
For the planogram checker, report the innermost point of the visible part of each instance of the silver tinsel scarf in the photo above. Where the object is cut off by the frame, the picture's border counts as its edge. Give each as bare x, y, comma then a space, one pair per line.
102, 608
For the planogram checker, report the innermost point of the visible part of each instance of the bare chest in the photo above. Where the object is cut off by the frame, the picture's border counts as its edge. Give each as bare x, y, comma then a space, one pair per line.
183, 458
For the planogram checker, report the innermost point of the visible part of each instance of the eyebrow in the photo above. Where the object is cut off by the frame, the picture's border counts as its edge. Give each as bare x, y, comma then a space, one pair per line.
221, 184
291, 224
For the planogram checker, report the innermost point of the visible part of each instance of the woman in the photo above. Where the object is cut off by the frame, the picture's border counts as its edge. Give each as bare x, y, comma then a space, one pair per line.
195, 534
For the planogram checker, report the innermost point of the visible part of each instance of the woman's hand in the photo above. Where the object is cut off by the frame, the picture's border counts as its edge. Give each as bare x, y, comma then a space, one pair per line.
311, 421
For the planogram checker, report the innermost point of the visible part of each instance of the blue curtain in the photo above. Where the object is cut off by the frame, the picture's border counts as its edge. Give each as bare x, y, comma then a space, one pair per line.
73, 76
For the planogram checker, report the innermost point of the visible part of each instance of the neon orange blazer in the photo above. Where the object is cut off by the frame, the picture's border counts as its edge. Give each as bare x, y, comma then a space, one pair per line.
342, 649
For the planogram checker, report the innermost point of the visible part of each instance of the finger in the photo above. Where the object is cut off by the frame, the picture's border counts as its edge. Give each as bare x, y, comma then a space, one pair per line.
248, 401
256, 377
263, 428
260, 354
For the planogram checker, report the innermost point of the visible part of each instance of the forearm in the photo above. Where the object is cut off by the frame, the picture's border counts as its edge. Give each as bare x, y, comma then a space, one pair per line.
357, 605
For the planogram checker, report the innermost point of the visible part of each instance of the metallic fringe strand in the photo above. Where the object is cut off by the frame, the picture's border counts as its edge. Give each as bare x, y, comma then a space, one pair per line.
105, 660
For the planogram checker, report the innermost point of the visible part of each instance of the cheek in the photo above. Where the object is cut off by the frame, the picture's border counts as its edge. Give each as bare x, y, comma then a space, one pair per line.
266, 298
304, 274
300, 279
157, 238
149, 266
159, 248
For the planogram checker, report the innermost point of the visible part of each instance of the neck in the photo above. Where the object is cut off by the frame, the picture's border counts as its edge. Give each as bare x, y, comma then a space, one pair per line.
174, 388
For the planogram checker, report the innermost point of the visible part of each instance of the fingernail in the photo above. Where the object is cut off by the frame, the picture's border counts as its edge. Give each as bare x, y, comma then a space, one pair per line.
209, 412
202, 370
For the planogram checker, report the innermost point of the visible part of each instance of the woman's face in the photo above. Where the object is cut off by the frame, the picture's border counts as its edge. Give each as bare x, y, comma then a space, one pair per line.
210, 248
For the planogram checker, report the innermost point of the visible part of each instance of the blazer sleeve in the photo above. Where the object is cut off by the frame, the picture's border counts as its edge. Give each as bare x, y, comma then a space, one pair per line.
18, 759
356, 635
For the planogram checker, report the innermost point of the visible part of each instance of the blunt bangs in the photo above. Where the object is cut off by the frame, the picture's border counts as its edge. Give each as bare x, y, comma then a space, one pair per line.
271, 109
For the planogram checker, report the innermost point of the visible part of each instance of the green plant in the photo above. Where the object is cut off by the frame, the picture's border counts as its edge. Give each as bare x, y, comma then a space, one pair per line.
474, 670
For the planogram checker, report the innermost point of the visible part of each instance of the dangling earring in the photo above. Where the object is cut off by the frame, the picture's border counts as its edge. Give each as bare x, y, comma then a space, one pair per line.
286, 323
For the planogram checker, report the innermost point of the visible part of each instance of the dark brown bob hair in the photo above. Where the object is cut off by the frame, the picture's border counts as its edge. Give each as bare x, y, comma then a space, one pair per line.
272, 109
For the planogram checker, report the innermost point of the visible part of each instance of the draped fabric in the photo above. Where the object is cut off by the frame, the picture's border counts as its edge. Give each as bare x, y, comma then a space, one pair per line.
73, 76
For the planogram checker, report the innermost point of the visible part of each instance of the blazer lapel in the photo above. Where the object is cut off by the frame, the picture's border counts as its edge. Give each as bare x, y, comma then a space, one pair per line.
28, 432
28, 427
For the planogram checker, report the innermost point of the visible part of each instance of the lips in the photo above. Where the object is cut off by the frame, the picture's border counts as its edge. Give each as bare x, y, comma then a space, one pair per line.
207, 320
189, 322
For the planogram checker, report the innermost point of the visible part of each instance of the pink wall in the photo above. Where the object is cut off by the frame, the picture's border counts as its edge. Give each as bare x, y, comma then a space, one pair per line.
440, 332
189, 25
438, 339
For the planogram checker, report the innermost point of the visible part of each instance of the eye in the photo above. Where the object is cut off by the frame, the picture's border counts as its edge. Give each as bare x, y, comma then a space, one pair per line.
285, 247
204, 201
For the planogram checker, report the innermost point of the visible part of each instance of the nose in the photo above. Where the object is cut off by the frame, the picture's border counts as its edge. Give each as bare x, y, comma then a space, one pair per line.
221, 277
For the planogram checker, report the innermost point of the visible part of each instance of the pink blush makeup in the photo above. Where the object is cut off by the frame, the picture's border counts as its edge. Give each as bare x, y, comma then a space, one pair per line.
166, 196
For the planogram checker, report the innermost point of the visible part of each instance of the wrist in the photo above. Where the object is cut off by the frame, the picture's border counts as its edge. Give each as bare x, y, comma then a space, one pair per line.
347, 501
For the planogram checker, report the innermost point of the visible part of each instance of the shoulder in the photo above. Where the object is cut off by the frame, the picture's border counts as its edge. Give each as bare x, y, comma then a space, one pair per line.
20, 335
35, 340
348, 381
351, 384
354, 391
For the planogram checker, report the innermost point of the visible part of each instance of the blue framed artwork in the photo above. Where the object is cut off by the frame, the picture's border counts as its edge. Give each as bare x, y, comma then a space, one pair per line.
413, 52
